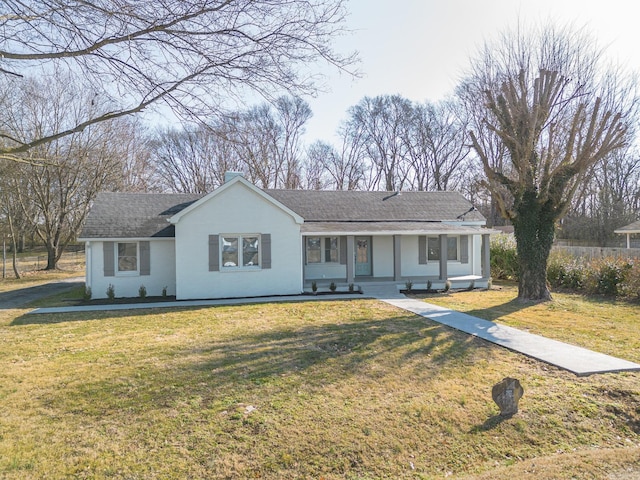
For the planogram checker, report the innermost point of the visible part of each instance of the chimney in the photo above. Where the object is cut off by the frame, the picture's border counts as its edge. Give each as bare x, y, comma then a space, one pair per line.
228, 176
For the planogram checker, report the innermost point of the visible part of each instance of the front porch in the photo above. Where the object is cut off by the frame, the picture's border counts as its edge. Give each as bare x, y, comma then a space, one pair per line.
460, 256
417, 283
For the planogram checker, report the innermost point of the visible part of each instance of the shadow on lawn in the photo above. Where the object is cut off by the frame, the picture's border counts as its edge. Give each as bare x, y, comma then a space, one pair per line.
235, 367
498, 311
491, 313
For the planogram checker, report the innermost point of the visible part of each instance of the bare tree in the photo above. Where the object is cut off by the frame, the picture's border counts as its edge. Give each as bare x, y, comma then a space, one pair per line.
293, 114
184, 159
54, 193
316, 174
264, 142
547, 101
10, 211
384, 123
606, 200
191, 55
438, 145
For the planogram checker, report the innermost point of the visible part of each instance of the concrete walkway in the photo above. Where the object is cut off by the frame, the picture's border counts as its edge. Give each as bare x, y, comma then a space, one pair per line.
577, 360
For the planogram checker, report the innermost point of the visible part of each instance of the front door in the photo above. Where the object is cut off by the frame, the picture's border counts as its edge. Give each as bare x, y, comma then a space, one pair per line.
363, 256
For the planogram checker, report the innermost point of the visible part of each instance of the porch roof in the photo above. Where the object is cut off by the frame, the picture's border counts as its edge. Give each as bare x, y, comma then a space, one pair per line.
631, 228
390, 228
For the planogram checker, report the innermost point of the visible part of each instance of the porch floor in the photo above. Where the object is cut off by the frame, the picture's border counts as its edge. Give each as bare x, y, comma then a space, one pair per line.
417, 282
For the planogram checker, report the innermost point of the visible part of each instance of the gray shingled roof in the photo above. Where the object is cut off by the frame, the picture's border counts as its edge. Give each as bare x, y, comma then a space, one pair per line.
134, 215
142, 215
355, 206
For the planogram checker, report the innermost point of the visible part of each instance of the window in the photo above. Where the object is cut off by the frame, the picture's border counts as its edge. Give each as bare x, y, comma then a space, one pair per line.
127, 258
314, 252
433, 248
323, 250
452, 248
250, 252
331, 250
240, 251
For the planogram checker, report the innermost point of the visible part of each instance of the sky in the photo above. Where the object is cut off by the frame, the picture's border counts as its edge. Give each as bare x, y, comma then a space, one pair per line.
421, 48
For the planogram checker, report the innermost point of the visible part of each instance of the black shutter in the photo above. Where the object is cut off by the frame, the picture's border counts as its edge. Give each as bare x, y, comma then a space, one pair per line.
109, 260
422, 250
145, 258
464, 249
266, 250
214, 253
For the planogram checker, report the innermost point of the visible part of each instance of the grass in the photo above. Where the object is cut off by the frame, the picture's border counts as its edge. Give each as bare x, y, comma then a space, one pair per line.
39, 277
315, 390
606, 325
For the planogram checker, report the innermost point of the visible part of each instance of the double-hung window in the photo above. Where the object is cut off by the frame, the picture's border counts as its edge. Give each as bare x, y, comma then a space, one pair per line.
240, 251
433, 248
323, 250
127, 258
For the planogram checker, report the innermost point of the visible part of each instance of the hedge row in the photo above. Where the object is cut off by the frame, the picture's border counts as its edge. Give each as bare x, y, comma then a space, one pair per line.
605, 276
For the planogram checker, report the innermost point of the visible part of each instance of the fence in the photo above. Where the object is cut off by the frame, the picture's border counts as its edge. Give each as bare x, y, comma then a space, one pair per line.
598, 252
72, 260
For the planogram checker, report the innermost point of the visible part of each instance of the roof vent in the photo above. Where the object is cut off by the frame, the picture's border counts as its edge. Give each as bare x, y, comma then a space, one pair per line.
228, 176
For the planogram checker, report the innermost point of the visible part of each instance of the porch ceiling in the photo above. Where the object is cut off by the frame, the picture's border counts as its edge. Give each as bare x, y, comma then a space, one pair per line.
390, 228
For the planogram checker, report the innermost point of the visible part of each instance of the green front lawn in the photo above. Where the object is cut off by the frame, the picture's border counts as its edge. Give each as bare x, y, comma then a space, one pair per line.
315, 390
603, 324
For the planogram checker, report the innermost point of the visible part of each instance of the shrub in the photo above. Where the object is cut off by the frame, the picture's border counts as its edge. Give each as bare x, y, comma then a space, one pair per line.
351, 288
87, 294
631, 285
606, 275
429, 284
408, 285
504, 257
566, 271
333, 286
142, 291
447, 285
314, 287
164, 292
111, 292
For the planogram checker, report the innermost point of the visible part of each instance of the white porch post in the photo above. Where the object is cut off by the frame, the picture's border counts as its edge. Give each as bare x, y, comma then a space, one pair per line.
350, 258
397, 258
443, 257
486, 256
628, 240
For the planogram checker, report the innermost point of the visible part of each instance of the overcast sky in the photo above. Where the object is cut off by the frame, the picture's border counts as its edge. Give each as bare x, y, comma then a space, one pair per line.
420, 48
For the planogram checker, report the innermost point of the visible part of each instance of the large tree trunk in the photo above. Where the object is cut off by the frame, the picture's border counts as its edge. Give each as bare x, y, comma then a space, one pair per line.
52, 257
534, 230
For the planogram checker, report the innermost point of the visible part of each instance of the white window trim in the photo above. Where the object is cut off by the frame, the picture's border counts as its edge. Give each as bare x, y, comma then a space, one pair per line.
240, 267
323, 260
126, 273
